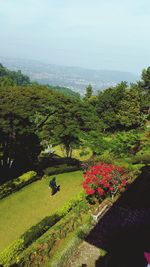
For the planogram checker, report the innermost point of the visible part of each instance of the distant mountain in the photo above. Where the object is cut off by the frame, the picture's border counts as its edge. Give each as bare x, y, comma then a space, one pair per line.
74, 78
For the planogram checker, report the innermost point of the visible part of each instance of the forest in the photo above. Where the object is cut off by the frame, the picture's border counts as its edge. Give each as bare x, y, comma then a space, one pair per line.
33, 116
97, 145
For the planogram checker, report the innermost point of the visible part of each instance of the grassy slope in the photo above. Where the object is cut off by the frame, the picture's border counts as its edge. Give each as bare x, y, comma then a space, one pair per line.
28, 206
77, 153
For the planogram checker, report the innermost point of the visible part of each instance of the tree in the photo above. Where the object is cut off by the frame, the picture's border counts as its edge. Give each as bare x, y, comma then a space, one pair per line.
12, 77
129, 114
19, 140
89, 92
62, 127
108, 105
145, 83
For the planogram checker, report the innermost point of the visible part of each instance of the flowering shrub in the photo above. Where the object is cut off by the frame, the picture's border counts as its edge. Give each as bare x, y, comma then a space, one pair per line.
104, 180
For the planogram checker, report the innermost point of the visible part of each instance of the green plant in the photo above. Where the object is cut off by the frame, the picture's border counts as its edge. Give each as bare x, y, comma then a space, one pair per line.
11, 252
43, 247
70, 243
60, 169
39, 229
18, 183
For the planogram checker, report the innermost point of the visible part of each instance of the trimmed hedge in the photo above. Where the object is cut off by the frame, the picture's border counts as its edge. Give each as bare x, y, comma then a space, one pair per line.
43, 249
16, 184
35, 232
40, 228
71, 242
11, 252
60, 169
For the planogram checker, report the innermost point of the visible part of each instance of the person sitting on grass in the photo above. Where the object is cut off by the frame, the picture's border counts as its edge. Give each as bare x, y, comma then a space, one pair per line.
53, 186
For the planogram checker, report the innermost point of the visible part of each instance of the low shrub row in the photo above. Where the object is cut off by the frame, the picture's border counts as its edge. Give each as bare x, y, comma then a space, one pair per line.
60, 169
71, 242
35, 232
43, 250
16, 184
40, 228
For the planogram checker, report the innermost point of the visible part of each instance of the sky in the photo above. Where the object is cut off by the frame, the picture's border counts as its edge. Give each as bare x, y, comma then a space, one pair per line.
97, 34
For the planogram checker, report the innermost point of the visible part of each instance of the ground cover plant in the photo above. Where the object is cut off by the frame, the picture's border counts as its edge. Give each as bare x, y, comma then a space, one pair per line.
16, 184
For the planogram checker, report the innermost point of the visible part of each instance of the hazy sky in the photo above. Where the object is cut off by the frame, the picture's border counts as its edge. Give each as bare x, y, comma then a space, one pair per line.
100, 34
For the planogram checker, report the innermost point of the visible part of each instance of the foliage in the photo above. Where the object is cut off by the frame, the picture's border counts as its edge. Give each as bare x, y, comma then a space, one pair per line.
19, 144
40, 228
65, 91
71, 242
104, 180
36, 231
129, 113
125, 143
16, 184
42, 249
108, 105
82, 153
121, 107
8, 77
145, 83
33, 203
61, 169
11, 253
89, 92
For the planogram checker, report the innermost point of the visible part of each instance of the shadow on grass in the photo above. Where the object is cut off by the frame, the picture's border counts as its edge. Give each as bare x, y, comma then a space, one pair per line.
124, 231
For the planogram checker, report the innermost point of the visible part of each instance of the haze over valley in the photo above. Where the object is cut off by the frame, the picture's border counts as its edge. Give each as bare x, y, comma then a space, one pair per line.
75, 78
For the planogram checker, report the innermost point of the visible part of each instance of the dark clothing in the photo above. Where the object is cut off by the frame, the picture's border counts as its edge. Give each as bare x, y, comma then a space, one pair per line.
53, 186
52, 183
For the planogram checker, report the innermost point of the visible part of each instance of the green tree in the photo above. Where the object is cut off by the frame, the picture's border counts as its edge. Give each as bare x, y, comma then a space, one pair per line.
129, 114
89, 92
19, 141
145, 83
108, 105
12, 77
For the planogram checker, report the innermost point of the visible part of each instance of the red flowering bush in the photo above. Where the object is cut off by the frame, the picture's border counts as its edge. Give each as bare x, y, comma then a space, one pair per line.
104, 180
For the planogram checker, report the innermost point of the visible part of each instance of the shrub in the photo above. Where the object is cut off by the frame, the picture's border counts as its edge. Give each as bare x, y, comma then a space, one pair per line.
125, 143
104, 180
60, 169
42, 250
38, 230
18, 183
71, 242
141, 158
11, 252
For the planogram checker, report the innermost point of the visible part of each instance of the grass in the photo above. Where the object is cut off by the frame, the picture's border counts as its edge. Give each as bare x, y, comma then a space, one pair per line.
80, 154
23, 209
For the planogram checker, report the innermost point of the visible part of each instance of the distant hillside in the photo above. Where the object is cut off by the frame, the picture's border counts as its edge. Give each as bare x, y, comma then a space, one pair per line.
65, 91
74, 78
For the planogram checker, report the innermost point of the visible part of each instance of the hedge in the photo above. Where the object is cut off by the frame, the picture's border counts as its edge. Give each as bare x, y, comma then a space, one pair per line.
41, 251
71, 242
40, 228
60, 169
11, 252
16, 184
35, 232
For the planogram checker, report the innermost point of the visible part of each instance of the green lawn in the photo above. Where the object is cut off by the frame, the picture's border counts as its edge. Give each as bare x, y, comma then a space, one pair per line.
21, 210
80, 154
